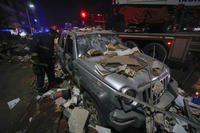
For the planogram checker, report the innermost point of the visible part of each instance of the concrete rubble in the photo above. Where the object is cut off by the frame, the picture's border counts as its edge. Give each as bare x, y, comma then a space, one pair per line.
77, 120
14, 51
59, 108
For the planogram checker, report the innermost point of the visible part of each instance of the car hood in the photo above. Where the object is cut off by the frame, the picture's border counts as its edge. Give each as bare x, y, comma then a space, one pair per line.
140, 77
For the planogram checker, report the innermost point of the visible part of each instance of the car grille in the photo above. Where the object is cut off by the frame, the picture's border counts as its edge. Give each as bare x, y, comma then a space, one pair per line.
156, 95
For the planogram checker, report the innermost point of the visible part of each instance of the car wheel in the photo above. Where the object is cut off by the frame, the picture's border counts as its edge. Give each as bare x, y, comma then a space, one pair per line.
156, 50
95, 116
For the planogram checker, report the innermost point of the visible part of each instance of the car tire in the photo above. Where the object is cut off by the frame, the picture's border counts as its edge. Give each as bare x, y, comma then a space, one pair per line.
160, 51
95, 115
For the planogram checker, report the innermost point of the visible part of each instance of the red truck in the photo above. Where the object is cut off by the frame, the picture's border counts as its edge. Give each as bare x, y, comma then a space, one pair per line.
177, 27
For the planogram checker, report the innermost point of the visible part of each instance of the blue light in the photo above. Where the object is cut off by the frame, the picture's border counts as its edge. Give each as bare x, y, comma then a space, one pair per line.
20, 30
6, 30
46, 30
83, 23
35, 20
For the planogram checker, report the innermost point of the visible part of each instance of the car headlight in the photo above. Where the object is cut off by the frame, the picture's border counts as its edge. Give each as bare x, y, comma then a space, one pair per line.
129, 92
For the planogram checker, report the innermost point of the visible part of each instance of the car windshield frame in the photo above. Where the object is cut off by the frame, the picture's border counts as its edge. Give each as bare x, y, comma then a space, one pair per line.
94, 41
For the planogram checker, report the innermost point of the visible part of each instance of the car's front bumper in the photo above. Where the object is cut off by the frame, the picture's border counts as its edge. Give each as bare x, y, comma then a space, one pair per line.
121, 120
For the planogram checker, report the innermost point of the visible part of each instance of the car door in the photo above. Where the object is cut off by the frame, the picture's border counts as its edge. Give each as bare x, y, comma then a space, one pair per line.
69, 53
60, 49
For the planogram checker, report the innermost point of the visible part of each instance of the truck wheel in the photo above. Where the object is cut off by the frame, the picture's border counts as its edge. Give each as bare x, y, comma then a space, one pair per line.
156, 50
96, 117
130, 44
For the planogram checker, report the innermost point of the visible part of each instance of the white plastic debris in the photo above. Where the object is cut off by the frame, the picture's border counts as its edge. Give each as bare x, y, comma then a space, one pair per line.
134, 103
20, 57
38, 97
67, 104
181, 91
49, 93
101, 129
27, 48
77, 120
61, 89
76, 91
30, 119
13, 103
45, 79
179, 127
179, 101
73, 100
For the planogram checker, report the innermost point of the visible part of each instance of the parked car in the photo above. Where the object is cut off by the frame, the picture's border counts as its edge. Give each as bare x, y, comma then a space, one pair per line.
102, 66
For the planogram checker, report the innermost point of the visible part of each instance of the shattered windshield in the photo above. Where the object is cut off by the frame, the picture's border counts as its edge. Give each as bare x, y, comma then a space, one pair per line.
95, 41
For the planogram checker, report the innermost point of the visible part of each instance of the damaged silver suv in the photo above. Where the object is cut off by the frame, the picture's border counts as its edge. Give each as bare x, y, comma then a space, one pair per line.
102, 67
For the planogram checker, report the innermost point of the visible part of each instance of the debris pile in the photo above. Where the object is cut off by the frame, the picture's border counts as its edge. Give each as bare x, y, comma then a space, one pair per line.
62, 110
59, 110
14, 51
180, 117
68, 109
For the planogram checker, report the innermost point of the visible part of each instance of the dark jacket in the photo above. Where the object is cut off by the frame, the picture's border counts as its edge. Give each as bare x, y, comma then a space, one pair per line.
42, 48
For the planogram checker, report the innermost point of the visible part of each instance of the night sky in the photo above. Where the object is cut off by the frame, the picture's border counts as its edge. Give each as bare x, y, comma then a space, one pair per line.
61, 11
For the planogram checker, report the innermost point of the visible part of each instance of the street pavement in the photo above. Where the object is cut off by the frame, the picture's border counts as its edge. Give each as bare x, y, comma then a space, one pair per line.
15, 82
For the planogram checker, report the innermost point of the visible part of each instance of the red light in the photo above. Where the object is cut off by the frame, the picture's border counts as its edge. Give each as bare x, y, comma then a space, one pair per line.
169, 43
197, 93
83, 14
